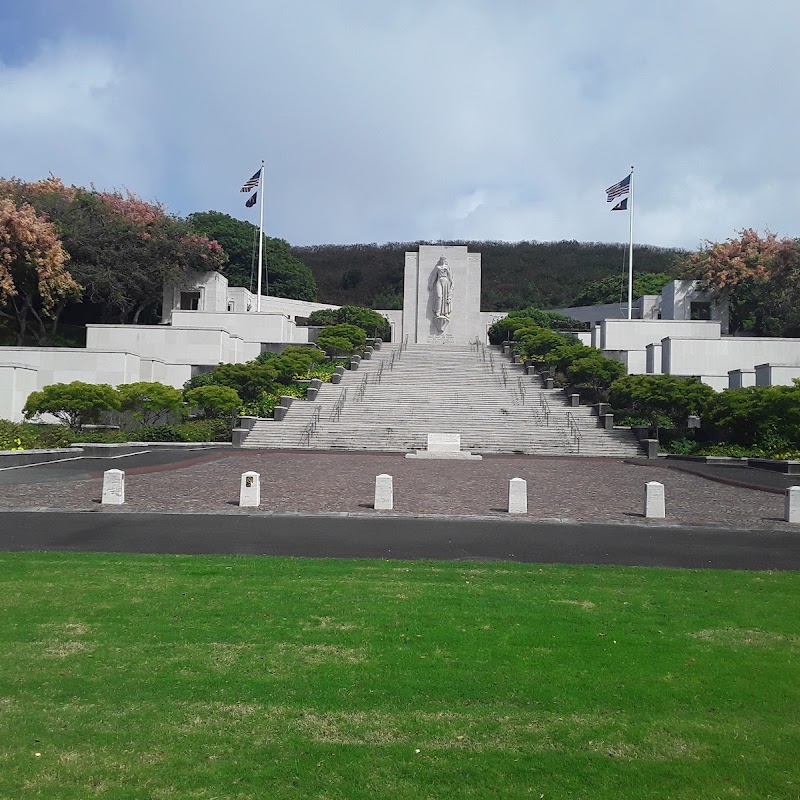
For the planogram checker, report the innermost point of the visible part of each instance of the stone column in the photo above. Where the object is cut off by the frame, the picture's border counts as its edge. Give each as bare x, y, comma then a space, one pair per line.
384, 493
250, 490
517, 496
654, 506
791, 504
113, 487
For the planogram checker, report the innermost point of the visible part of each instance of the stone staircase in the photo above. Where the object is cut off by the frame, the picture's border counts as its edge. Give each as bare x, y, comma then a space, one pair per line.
395, 399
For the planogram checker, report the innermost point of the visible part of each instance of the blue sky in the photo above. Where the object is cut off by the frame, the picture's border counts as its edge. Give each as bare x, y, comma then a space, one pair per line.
426, 119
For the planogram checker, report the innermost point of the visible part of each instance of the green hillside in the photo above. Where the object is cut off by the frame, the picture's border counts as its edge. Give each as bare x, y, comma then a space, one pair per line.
515, 274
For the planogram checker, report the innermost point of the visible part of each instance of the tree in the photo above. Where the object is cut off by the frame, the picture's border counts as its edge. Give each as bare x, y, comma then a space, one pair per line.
34, 281
758, 276
335, 345
760, 416
75, 404
287, 276
371, 322
504, 329
352, 333
661, 395
614, 289
122, 249
249, 380
214, 401
148, 401
596, 373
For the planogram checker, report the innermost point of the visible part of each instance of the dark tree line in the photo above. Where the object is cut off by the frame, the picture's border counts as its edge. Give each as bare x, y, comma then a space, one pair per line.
514, 274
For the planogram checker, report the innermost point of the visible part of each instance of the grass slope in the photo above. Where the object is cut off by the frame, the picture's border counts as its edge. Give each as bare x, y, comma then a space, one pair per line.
210, 677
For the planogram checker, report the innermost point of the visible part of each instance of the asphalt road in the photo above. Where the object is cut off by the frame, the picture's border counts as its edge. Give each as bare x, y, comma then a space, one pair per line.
397, 537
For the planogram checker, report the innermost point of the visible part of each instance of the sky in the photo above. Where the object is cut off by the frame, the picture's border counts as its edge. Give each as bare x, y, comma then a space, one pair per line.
382, 121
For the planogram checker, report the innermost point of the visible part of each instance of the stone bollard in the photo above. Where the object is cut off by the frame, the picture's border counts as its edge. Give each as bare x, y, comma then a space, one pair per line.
607, 422
113, 487
367, 353
339, 370
287, 400
279, 412
336, 378
378, 343
517, 496
239, 436
315, 383
574, 400
311, 393
250, 490
654, 500
354, 364
548, 383
791, 504
650, 447
384, 493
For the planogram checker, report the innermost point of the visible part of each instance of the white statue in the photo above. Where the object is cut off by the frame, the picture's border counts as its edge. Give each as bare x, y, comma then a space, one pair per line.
441, 284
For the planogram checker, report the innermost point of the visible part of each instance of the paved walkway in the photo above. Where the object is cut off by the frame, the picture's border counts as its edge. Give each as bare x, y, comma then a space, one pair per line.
584, 490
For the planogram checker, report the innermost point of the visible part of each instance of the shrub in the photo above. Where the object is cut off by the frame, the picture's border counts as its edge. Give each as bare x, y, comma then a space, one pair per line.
214, 401
148, 401
335, 345
75, 404
596, 373
371, 322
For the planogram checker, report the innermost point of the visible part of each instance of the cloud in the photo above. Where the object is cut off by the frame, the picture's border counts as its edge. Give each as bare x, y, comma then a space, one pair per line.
429, 118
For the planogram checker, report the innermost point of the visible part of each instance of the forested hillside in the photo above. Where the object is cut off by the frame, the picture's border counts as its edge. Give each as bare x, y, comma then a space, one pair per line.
515, 274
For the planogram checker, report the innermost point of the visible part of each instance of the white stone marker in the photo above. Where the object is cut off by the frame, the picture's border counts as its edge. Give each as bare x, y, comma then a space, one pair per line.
517, 496
113, 487
444, 442
791, 504
384, 493
250, 490
654, 500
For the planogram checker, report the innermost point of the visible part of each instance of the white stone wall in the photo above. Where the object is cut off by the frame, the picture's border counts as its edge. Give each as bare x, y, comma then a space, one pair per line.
16, 383
653, 359
258, 328
635, 334
775, 374
741, 378
684, 356
678, 296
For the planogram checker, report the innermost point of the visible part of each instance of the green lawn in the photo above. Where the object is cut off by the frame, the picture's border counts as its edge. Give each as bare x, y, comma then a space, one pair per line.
210, 677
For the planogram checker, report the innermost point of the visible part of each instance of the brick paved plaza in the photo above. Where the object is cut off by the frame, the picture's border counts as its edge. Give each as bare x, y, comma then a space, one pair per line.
582, 489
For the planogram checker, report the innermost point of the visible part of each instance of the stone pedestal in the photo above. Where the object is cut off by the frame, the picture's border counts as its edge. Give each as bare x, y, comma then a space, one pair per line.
517, 496
791, 505
384, 493
250, 490
113, 487
654, 506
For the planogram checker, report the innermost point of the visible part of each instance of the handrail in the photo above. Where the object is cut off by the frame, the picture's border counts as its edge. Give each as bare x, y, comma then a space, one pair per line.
521, 389
337, 409
311, 428
544, 408
504, 374
574, 431
391, 360
379, 374
362, 388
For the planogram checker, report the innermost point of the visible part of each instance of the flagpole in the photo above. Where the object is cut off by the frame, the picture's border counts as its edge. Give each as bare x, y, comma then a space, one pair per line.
630, 257
260, 236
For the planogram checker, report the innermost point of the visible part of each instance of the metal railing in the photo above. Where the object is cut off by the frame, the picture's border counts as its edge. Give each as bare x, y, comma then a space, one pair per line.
362, 387
391, 360
311, 428
504, 375
336, 412
544, 409
521, 389
379, 373
574, 431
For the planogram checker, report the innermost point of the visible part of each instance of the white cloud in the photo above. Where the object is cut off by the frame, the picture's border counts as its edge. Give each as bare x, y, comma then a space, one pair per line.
430, 118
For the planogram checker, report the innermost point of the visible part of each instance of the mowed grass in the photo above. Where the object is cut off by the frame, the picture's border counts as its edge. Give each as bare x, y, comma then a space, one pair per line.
214, 677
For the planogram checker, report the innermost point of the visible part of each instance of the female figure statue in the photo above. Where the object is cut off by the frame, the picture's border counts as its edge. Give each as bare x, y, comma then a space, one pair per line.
441, 284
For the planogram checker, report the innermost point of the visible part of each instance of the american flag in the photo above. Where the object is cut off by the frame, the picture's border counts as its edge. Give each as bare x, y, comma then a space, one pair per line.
252, 183
618, 189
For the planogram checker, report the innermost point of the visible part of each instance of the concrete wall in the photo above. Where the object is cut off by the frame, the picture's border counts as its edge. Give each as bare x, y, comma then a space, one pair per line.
776, 374
678, 296
646, 307
635, 361
684, 356
169, 343
633, 334
16, 383
741, 378
653, 359
248, 327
